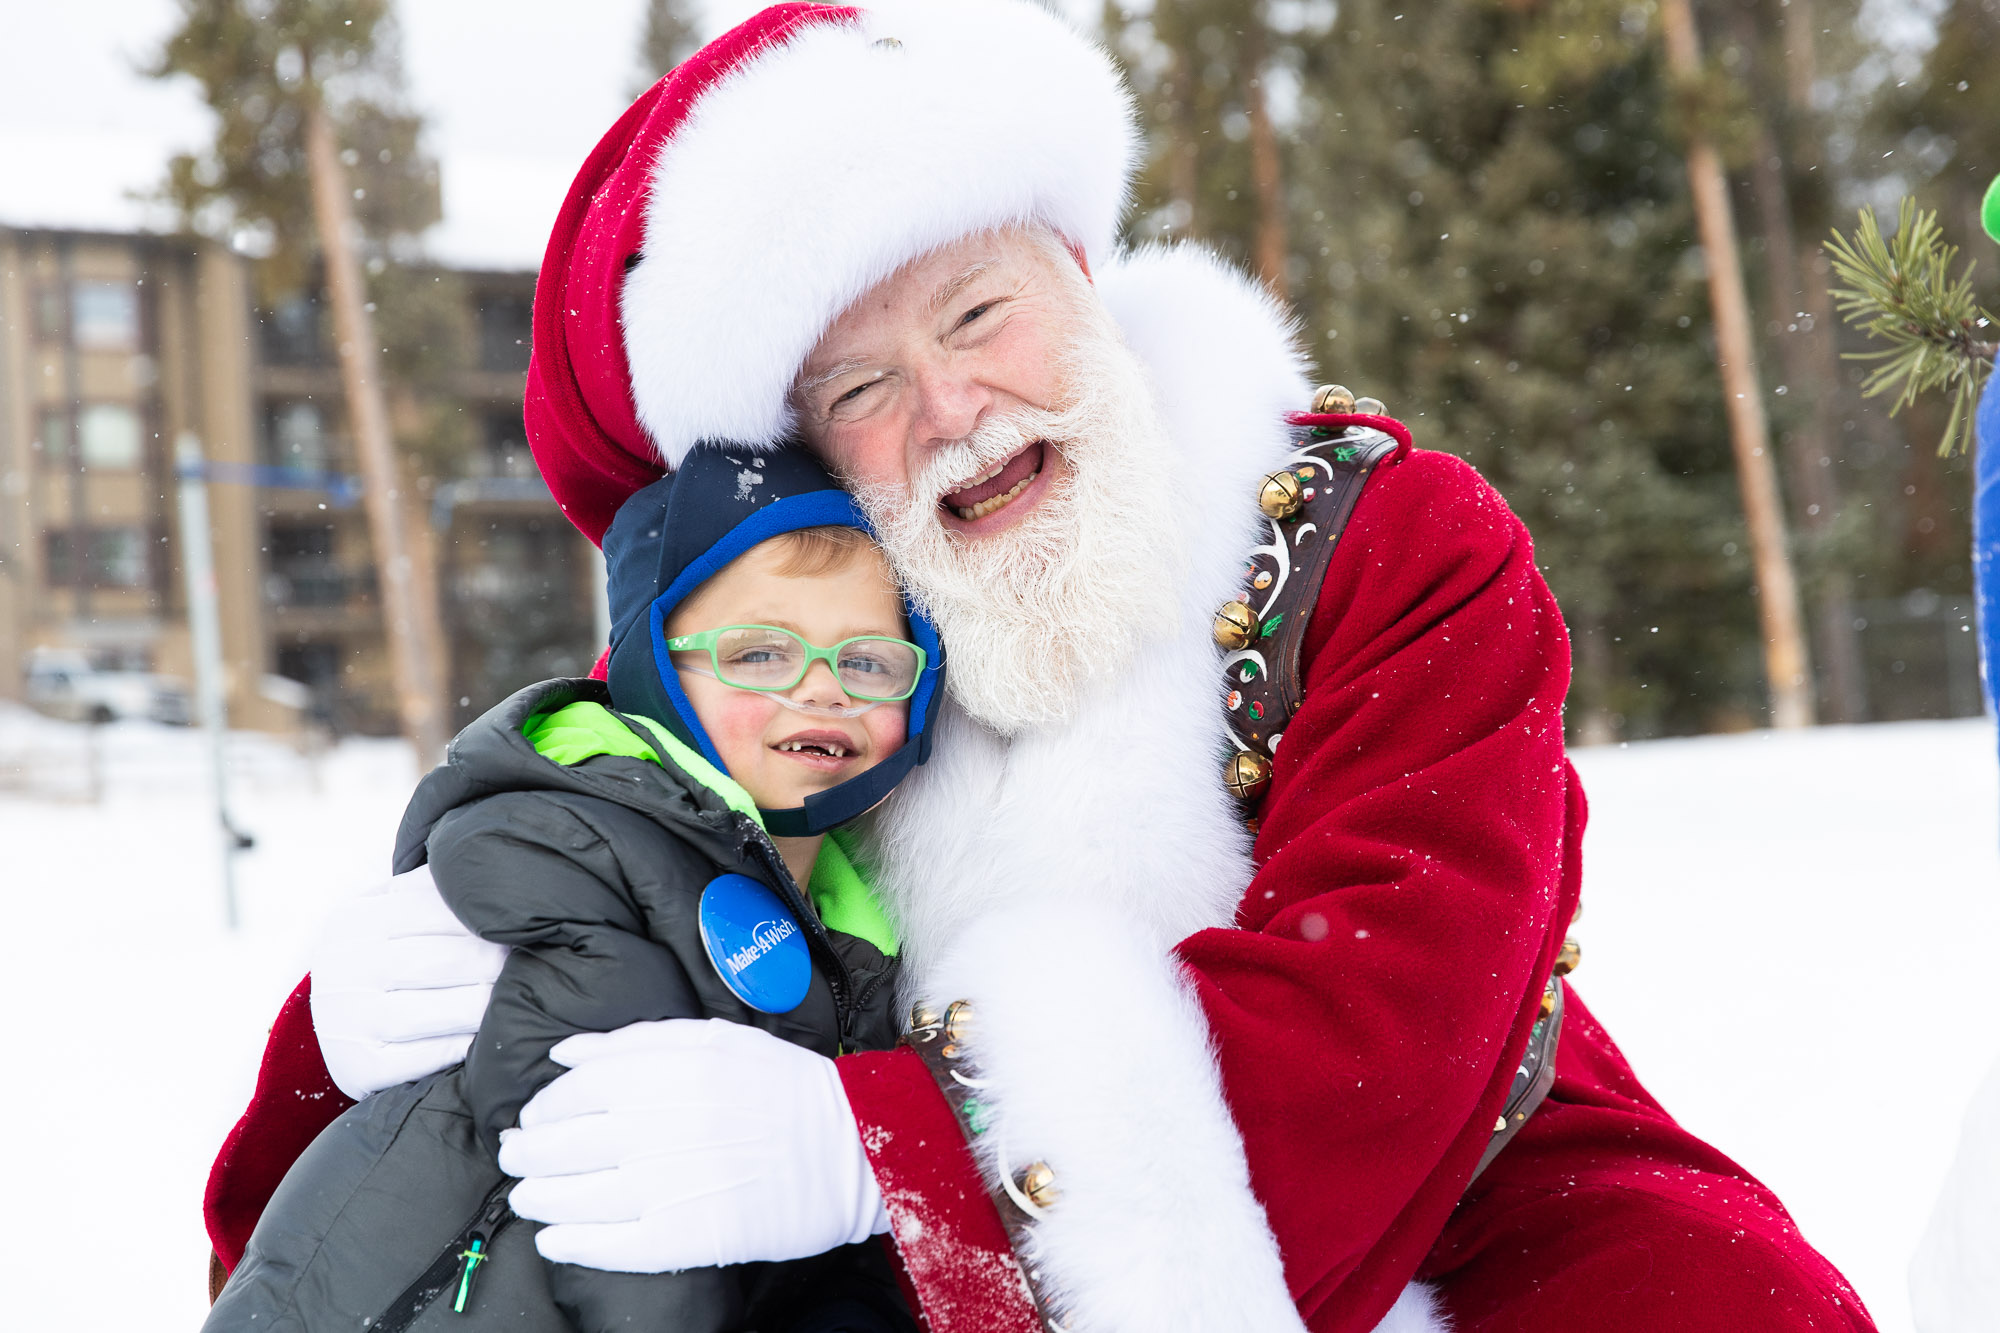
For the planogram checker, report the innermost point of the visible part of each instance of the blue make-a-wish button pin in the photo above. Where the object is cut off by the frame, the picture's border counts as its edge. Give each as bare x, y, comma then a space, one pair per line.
755, 944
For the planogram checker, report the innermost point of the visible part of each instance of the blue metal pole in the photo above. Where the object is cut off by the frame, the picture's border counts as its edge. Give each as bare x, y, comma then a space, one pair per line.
1986, 537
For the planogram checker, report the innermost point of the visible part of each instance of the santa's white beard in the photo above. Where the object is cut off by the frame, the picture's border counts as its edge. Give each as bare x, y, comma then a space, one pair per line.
1030, 615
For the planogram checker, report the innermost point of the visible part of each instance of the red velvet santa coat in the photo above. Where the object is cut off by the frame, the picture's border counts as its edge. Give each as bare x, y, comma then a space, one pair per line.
1417, 862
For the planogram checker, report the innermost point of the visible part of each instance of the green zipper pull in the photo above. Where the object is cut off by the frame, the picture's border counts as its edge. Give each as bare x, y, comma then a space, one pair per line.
474, 1255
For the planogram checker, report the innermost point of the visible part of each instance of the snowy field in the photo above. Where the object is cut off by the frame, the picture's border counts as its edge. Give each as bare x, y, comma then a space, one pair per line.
1792, 937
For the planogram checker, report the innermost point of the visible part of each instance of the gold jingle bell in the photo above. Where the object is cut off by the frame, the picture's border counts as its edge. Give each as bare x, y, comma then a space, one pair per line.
958, 1020
1039, 1184
1336, 398
1281, 494
1246, 775
1549, 999
1371, 407
1235, 625
922, 1016
1568, 958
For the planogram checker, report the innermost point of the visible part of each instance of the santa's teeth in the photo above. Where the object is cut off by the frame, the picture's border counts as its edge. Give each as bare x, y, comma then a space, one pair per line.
985, 476
987, 506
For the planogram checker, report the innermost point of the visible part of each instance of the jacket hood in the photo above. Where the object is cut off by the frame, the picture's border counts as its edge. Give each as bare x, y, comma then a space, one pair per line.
676, 534
495, 754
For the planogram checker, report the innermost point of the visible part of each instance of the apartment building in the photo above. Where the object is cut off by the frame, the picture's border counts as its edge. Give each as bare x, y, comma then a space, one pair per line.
114, 345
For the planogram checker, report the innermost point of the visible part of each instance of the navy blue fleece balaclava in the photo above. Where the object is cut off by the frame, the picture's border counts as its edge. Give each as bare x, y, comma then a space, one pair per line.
673, 536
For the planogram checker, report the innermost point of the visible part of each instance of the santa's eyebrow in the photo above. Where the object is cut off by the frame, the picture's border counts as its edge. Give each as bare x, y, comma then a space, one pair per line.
952, 286
808, 385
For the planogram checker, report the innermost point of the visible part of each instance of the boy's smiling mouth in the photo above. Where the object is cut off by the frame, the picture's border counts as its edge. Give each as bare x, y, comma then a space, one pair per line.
823, 750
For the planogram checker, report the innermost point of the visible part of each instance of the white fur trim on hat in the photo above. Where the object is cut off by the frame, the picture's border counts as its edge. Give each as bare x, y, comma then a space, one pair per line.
826, 163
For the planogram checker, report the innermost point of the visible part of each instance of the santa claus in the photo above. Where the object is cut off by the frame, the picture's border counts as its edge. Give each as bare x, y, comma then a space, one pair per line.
1160, 1075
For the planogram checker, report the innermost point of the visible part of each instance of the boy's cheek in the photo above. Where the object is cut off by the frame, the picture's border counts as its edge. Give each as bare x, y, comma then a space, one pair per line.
888, 727
736, 721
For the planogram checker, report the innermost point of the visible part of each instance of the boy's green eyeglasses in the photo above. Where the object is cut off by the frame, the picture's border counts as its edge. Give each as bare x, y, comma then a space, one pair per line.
764, 657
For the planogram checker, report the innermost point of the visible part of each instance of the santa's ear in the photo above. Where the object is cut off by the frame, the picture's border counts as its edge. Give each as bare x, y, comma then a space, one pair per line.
1082, 259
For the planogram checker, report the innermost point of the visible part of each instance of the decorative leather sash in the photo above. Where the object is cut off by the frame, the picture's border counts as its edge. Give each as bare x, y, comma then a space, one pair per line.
1308, 502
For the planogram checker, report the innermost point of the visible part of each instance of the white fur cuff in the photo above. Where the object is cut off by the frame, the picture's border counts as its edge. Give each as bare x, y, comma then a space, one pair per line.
1097, 1062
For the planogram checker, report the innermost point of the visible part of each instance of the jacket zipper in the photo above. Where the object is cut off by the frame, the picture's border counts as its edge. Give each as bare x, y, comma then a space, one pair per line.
837, 976
468, 1250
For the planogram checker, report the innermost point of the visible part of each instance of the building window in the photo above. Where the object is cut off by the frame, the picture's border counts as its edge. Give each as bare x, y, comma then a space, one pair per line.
52, 441
49, 313
295, 437
106, 315
290, 334
303, 568
111, 436
109, 558
507, 453
506, 328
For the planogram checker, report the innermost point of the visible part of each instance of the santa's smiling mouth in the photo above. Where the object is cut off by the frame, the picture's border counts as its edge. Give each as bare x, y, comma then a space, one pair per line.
998, 487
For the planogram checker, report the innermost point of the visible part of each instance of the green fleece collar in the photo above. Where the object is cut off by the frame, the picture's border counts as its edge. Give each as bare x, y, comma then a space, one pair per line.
581, 731
844, 900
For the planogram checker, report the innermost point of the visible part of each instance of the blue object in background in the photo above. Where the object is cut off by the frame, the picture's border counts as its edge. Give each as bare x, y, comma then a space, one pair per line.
1986, 536
755, 944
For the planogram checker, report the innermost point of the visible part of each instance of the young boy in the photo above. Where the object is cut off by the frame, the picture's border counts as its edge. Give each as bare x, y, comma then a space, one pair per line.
642, 849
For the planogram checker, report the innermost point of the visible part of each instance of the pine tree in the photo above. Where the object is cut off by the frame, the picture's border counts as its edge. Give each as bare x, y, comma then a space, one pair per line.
1490, 230
261, 64
315, 157
671, 36
1776, 51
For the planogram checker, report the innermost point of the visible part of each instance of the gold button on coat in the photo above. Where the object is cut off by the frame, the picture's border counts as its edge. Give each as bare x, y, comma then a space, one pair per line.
958, 1020
1567, 960
1281, 494
1039, 1184
1235, 625
1336, 398
1247, 774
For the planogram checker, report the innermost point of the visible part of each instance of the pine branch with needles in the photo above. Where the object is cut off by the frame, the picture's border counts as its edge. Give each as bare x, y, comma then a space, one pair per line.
1900, 292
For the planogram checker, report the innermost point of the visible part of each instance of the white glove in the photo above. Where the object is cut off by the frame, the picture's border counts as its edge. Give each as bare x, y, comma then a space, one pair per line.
690, 1144
398, 985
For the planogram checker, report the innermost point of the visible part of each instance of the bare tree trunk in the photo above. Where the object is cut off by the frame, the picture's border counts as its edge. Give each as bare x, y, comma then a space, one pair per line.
1266, 171
1806, 354
1786, 665
410, 609
1184, 170
1802, 311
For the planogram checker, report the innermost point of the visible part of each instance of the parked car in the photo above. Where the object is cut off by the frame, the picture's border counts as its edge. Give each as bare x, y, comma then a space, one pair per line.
67, 685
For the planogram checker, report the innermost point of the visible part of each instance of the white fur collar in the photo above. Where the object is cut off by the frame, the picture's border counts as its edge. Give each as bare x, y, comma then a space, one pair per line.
1047, 879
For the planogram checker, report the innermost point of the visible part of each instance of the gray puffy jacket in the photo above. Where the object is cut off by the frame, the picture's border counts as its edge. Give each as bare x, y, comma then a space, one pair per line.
583, 839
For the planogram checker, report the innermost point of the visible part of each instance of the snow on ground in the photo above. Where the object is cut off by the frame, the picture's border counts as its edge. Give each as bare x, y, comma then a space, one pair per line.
136, 1017
1791, 936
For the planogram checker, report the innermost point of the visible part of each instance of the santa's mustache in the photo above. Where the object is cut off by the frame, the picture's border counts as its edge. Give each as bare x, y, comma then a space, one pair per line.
956, 464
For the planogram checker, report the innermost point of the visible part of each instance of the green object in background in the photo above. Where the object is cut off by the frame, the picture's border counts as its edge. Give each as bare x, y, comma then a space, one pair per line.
1989, 210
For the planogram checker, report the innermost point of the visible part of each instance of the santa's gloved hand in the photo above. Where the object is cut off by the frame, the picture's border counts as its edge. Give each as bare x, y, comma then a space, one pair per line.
398, 985
690, 1143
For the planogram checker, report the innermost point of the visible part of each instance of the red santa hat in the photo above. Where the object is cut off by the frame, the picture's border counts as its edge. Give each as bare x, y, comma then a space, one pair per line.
752, 194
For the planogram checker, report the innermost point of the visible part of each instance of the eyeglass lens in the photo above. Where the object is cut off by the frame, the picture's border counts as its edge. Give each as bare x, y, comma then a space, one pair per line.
758, 658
